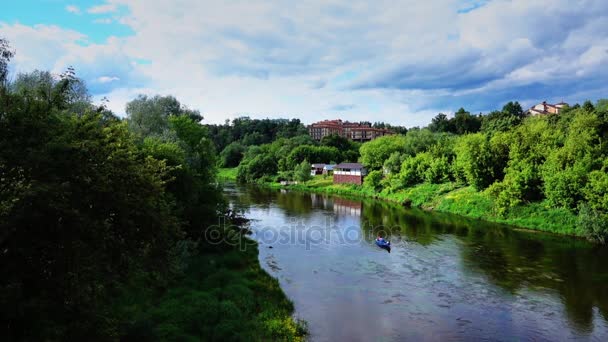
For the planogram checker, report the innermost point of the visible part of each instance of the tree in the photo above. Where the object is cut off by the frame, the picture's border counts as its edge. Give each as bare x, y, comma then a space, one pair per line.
375, 152
232, 155
150, 115
588, 106
440, 123
513, 109
463, 122
373, 180
475, 160
302, 172
317, 154
6, 54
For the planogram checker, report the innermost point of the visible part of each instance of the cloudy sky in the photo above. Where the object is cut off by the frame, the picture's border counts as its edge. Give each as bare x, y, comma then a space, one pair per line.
399, 62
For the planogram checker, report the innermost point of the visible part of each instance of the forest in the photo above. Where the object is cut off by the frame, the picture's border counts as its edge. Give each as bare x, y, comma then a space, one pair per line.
105, 223
551, 168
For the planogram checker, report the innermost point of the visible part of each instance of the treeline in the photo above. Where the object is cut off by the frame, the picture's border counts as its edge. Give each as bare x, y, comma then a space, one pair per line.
560, 160
556, 161
290, 158
232, 138
103, 222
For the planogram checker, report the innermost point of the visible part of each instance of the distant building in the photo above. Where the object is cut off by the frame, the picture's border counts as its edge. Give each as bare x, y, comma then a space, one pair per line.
352, 173
328, 169
357, 131
316, 169
545, 108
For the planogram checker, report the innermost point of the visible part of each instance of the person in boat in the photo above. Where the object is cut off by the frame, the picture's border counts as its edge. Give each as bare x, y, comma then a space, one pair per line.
380, 238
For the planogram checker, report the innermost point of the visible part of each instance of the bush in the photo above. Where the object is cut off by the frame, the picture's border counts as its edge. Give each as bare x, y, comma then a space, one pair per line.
373, 180
255, 169
474, 160
593, 224
232, 155
302, 172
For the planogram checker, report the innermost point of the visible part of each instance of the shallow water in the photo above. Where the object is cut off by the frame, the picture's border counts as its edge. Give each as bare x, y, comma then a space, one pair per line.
446, 278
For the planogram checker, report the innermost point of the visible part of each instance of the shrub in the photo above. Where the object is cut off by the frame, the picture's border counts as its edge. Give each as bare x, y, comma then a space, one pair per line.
373, 180
593, 224
302, 172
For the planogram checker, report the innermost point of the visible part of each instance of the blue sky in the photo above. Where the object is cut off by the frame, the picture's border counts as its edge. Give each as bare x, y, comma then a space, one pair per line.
400, 62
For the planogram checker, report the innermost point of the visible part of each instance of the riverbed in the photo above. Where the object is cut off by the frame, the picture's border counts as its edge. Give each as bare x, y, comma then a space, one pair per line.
445, 278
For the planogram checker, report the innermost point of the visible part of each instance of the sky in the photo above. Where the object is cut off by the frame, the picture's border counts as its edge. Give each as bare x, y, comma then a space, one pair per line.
400, 62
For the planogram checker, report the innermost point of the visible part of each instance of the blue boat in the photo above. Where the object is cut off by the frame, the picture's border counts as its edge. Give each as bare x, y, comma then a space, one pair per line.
384, 244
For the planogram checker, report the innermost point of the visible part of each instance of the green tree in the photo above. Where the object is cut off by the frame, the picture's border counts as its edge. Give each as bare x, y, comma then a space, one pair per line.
441, 123
373, 180
463, 122
475, 160
150, 115
318, 154
6, 54
232, 155
375, 152
302, 171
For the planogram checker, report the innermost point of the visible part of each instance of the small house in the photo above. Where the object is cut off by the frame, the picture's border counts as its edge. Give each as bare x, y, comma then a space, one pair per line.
328, 169
352, 173
316, 169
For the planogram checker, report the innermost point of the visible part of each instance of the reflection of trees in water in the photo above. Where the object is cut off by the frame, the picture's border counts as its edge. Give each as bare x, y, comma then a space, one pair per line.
508, 258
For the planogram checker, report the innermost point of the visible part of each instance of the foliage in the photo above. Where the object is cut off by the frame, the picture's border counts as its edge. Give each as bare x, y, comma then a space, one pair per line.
232, 155
101, 224
250, 132
593, 224
373, 180
5, 56
302, 171
150, 115
315, 154
392, 165
349, 150
475, 160
252, 170
375, 152
462, 122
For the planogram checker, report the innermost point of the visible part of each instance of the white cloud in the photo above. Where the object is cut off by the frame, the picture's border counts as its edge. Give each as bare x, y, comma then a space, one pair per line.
107, 79
397, 62
72, 9
101, 9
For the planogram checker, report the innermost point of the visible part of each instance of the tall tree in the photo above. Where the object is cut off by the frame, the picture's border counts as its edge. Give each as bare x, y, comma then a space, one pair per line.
5, 56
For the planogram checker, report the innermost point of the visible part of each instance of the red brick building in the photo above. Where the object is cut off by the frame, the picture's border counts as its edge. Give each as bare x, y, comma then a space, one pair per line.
358, 131
352, 173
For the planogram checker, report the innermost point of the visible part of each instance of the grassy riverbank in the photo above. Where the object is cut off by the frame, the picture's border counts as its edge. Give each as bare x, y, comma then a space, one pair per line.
455, 199
451, 198
223, 294
227, 173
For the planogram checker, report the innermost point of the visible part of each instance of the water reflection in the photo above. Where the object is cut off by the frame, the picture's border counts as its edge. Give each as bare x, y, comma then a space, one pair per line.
534, 271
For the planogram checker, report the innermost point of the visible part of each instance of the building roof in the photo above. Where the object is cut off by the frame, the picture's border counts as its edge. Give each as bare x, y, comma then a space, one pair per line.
349, 166
329, 167
318, 166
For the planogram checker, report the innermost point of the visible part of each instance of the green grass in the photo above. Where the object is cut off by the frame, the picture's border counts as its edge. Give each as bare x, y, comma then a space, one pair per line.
227, 173
223, 295
455, 199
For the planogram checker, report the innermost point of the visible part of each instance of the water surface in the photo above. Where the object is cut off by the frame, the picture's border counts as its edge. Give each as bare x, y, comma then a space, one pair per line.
446, 278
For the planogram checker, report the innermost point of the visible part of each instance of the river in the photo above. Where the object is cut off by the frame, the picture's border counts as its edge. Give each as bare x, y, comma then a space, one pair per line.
446, 277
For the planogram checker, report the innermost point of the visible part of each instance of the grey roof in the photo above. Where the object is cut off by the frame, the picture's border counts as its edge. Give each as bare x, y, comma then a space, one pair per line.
349, 166
318, 166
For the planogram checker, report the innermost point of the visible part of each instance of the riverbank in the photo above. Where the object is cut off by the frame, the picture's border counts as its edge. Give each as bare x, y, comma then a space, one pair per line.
222, 294
448, 198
